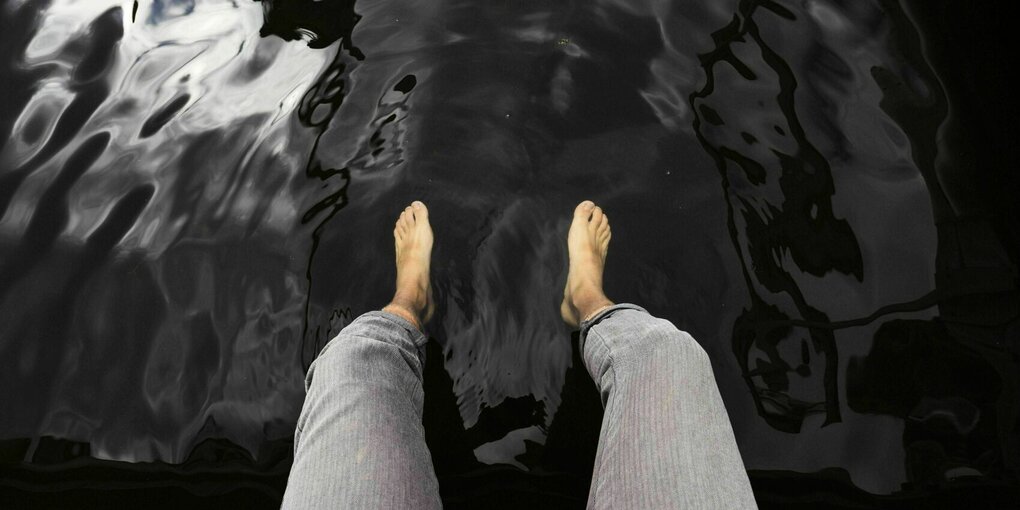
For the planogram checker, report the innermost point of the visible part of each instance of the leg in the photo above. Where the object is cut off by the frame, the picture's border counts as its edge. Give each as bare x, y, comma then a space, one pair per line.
359, 441
666, 440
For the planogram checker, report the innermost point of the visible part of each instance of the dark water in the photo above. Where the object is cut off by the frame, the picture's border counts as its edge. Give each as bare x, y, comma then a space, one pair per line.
197, 195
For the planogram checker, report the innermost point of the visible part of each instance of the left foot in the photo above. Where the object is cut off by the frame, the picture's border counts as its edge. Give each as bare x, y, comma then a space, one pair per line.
412, 237
587, 244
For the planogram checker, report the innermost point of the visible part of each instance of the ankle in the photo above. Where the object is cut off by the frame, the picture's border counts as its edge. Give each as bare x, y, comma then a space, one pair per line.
401, 309
589, 303
414, 298
588, 316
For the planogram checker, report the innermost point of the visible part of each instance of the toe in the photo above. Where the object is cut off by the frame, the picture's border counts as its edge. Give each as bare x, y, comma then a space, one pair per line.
420, 211
583, 210
604, 222
408, 215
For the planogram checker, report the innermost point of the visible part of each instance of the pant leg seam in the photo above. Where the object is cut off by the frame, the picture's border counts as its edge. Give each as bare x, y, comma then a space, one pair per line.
611, 440
612, 372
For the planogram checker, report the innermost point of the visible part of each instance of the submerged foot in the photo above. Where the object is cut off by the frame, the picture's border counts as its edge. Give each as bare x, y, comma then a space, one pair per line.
587, 243
412, 237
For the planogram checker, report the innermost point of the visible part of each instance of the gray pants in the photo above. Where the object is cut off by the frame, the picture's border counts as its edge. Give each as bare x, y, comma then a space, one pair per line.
666, 440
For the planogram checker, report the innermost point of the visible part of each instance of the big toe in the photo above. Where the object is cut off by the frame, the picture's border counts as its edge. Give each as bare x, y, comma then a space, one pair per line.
421, 213
583, 210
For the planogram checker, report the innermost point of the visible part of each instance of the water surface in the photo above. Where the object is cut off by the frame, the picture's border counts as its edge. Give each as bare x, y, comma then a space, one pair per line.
197, 195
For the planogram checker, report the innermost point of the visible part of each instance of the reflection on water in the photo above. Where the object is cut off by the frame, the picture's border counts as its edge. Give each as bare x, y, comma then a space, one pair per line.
779, 189
196, 195
148, 213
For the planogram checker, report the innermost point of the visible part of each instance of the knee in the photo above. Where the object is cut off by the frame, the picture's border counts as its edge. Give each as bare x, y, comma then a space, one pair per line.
666, 343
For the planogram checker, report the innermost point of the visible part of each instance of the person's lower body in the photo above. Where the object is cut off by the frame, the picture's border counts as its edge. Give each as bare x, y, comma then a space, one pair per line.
666, 439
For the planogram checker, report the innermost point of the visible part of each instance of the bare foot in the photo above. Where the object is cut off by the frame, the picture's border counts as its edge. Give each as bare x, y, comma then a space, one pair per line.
587, 243
412, 237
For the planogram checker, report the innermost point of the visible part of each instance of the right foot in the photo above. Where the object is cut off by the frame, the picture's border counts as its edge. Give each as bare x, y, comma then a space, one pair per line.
587, 243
